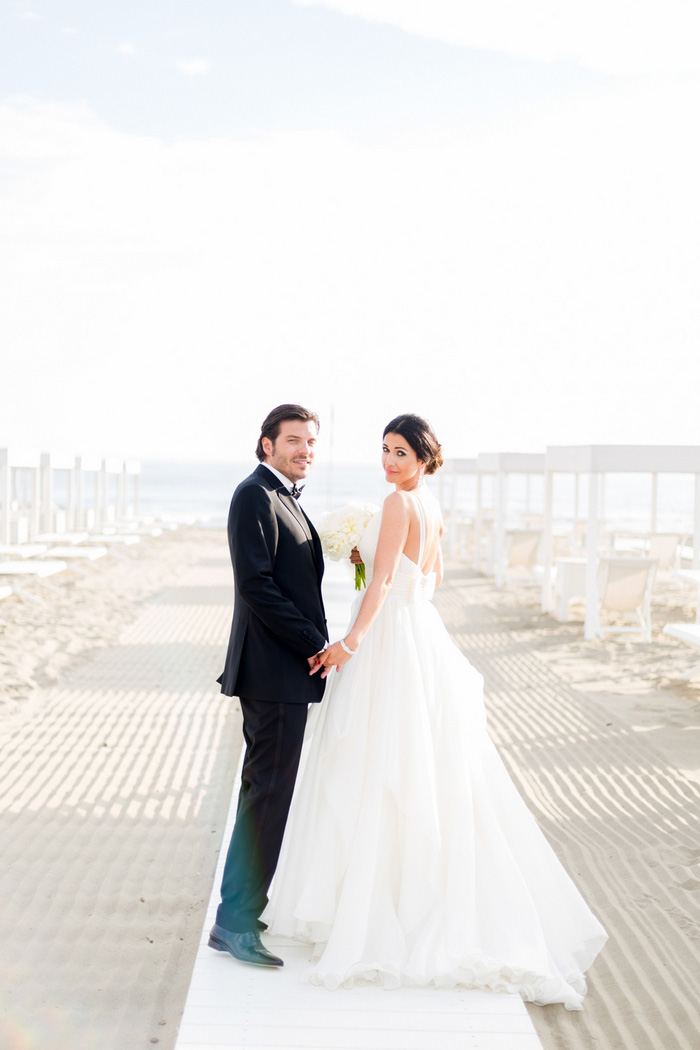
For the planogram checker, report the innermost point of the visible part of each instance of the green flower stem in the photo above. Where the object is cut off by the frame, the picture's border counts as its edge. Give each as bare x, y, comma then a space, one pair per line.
360, 578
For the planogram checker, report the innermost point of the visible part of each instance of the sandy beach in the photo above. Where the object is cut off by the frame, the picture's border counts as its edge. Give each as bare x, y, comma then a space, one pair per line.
117, 756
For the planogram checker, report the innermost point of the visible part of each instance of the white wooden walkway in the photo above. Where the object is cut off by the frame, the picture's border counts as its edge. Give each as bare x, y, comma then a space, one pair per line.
232, 1006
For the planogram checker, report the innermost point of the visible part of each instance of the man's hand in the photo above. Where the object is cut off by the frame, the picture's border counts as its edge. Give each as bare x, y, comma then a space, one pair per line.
333, 656
315, 661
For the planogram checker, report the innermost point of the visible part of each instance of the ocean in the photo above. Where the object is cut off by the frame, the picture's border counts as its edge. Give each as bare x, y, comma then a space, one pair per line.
202, 492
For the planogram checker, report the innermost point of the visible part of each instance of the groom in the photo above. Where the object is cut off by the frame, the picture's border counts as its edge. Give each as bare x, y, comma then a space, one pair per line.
278, 630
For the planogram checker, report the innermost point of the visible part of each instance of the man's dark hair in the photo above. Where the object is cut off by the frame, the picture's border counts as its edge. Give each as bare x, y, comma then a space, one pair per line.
274, 420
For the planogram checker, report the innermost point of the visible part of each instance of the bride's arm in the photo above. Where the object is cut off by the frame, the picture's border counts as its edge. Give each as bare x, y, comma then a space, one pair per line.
392, 541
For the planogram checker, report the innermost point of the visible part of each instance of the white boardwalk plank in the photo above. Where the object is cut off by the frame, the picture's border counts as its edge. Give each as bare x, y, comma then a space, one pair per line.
231, 1006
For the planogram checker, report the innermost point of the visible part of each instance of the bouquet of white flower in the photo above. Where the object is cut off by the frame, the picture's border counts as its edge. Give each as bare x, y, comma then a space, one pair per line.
341, 530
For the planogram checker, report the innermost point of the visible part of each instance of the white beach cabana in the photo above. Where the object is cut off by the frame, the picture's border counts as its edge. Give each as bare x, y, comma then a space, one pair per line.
53, 519
596, 461
19, 495
501, 465
452, 471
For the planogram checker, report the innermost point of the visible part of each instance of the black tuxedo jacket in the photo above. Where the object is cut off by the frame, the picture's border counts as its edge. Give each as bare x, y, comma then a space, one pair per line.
278, 615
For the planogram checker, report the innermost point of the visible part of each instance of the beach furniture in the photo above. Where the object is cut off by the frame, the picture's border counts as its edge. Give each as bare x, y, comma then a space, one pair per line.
74, 555
569, 584
624, 585
118, 539
5, 591
68, 552
455, 468
30, 569
690, 633
665, 547
522, 548
52, 517
596, 461
19, 495
21, 550
65, 538
691, 576
500, 466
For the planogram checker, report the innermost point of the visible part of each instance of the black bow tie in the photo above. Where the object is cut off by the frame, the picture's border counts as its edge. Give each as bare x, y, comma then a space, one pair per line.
296, 492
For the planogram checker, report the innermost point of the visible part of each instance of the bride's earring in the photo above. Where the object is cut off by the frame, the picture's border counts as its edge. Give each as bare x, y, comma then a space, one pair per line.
420, 474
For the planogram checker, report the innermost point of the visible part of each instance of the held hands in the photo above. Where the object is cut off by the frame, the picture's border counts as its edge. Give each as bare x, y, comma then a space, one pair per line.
315, 661
334, 656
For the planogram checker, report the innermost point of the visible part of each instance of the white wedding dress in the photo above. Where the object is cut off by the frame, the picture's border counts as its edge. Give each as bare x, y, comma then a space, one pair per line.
409, 856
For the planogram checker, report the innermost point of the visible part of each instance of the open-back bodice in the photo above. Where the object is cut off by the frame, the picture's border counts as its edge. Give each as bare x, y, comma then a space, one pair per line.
410, 584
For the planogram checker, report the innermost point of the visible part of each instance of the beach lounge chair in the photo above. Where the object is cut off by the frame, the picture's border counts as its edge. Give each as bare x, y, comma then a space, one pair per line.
21, 550
41, 569
690, 633
624, 586
126, 539
692, 577
38, 571
74, 555
665, 548
5, 591
64, 537
522, 549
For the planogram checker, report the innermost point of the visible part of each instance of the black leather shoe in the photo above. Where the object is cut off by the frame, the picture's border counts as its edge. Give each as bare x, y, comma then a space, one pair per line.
244, 946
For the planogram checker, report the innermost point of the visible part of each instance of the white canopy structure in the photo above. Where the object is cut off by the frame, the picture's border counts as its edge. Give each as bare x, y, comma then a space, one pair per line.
500, 465
50, 463
28, 496
452, 470
596, 461
19, 492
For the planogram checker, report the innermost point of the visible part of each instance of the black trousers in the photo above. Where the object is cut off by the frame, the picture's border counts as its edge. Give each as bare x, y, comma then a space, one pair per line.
273, 734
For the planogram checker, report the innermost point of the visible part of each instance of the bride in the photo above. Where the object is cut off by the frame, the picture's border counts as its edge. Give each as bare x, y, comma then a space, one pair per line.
409, 857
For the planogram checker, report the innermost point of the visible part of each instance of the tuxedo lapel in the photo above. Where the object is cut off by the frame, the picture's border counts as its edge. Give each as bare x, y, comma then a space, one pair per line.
294, 508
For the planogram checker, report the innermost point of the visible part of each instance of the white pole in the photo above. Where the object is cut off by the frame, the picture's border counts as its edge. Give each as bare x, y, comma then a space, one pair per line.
34, 527
46, 493
654, 500
79, 519
502, 497
122, 497
477, 525
105, 493
591, 625
547, 542
696, 536
453, 513
99, 481
6, 498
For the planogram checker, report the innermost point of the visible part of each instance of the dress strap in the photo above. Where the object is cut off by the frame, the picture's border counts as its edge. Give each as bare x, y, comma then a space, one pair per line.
421, 544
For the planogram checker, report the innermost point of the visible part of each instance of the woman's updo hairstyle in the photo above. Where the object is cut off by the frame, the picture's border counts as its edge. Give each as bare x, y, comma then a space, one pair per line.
420, 436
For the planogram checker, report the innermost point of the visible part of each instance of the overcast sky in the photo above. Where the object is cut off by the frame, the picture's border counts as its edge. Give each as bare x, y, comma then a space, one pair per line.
485, 213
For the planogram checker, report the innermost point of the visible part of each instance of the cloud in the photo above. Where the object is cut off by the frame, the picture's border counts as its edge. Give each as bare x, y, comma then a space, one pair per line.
193, 67
126, 48
609, 36
68, 31
520, 287
30, 16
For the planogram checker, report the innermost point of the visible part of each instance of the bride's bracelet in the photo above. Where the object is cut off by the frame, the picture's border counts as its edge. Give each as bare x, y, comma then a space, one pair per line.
346, 649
